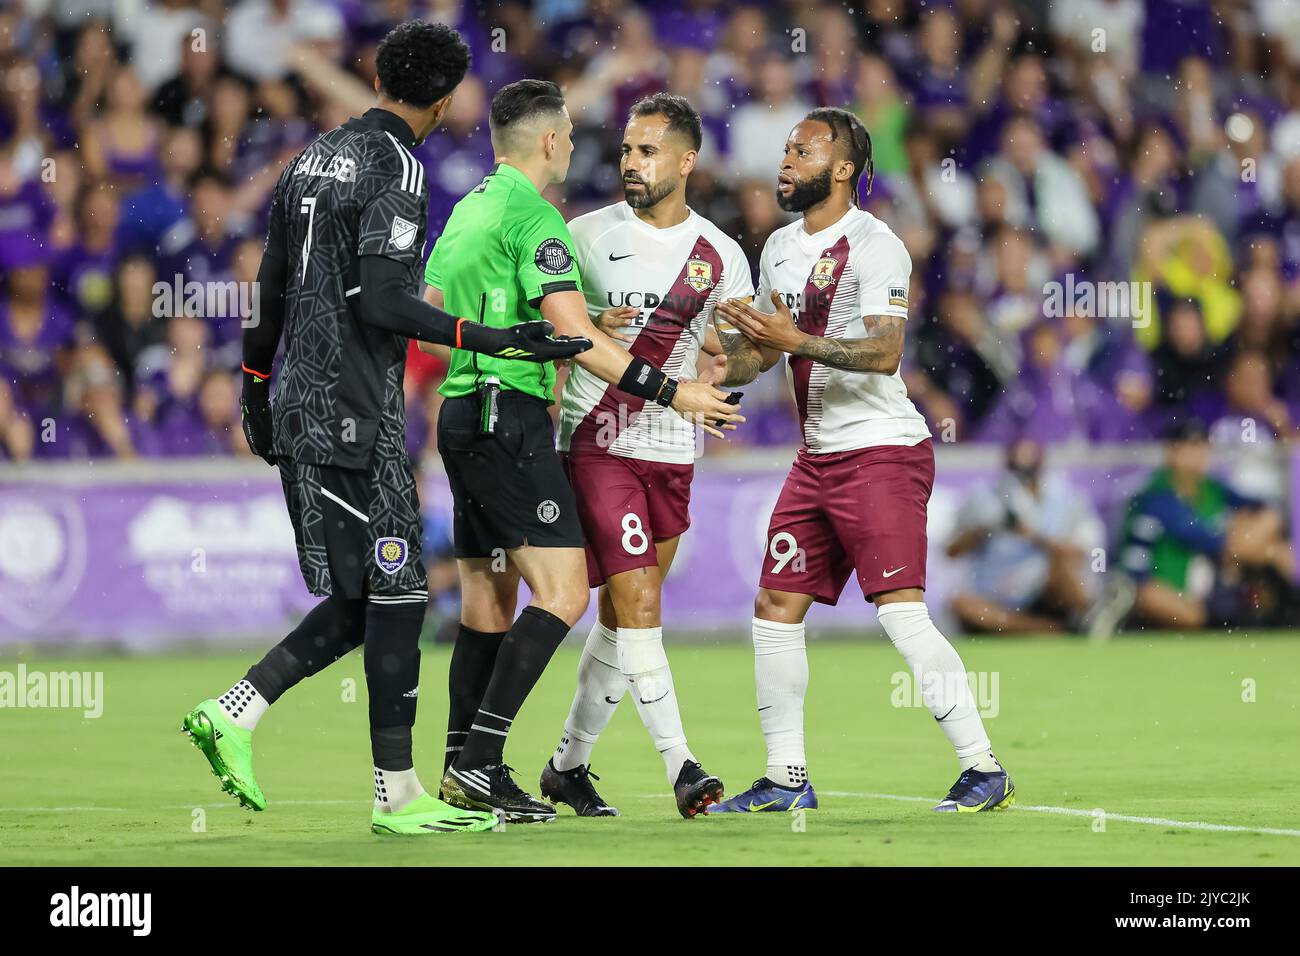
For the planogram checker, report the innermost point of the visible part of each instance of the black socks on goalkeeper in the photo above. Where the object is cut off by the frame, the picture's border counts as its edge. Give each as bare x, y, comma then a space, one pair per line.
392, 658
524, 653
331, 629
472, 660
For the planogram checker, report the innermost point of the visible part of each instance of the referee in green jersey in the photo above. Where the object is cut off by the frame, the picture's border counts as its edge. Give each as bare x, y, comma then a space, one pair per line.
506, 257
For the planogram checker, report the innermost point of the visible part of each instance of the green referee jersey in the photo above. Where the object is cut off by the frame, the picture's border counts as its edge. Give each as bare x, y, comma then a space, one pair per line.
503, 249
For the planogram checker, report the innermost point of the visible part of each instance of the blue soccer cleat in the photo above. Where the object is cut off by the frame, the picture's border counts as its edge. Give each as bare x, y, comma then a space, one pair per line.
767, 797
976, 790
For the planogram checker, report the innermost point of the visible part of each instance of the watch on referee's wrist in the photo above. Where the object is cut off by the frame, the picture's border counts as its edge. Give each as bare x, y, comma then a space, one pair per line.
667, 393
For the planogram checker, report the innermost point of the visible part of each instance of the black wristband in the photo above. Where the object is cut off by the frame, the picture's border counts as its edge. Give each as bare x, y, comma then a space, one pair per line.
667, 393
642, 380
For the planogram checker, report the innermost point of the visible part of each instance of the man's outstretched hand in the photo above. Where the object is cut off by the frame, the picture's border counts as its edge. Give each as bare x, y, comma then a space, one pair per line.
524, 342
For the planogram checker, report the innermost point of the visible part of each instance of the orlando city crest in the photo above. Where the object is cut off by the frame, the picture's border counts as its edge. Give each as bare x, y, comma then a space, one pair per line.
699, 274
823, 273
390, 554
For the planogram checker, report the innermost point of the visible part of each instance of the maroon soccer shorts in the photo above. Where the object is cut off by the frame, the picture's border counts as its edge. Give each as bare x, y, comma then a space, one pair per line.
626, 505
863, 510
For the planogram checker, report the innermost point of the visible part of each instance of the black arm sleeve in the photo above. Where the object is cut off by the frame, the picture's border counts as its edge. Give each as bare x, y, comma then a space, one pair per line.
262, 336
387, 305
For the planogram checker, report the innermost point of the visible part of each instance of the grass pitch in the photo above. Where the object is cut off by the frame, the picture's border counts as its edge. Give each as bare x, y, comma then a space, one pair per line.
1180, 734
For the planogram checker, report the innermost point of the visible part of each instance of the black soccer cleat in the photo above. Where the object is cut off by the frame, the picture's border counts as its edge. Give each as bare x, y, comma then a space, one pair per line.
695, 790
492, 788
575, 788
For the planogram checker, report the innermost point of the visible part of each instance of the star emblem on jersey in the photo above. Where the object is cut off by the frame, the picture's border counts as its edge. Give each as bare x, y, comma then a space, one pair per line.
548, 511
823, 273
390, 554
699, 274
402, 235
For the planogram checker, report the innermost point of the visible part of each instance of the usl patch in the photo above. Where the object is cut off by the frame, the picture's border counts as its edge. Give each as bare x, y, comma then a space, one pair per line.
402, 233
390, 554
548, 511
898, 296
553, 257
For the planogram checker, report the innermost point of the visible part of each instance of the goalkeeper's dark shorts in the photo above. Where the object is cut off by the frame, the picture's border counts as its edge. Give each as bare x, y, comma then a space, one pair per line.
509, 488
358, 531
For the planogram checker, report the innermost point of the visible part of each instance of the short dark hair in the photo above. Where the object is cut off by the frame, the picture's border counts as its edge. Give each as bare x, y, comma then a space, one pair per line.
420, 62
681, 115
521, 100
847, 128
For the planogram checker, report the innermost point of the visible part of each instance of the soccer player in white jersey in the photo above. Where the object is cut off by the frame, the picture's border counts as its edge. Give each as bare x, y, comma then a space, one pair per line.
832, 297
656, 268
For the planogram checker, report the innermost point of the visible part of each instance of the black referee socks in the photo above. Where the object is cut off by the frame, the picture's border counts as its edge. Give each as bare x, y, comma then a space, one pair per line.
333, 627
392, 657
472, 660
524, 654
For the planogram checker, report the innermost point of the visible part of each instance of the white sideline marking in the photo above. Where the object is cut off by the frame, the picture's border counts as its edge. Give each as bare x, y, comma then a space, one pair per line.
62, 809
1076, 812
228, 805
234, 804
1062, 811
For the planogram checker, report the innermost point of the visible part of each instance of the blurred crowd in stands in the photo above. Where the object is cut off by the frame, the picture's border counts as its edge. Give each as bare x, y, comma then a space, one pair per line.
1101, 197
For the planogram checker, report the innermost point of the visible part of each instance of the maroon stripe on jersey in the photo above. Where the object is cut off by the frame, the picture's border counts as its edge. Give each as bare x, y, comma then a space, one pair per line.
817, 298
655, 343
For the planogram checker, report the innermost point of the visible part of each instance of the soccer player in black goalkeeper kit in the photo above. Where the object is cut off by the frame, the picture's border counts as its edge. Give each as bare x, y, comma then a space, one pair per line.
340, 281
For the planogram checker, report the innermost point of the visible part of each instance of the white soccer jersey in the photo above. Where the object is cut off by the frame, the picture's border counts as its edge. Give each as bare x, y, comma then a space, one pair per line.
830, 280
675, 276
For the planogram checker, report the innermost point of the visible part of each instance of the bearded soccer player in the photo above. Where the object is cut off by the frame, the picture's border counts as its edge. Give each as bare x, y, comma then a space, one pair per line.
506, 257
657, 269
832, 296
338, 279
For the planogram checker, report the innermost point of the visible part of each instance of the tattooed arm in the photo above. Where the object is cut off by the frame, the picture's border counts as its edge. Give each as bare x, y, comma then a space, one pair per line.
880, 350
745, 360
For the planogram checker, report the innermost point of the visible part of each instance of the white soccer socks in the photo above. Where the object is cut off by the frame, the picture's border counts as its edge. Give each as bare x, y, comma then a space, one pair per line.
644, 664
600, 688
781, 678
244, 705
394, 789
613, 661
941, 675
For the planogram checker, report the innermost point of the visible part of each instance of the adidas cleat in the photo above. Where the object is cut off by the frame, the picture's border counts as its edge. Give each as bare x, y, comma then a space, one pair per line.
426, 814
768, 797
229, 750
575, 788
695, 790
491, 788
976, 790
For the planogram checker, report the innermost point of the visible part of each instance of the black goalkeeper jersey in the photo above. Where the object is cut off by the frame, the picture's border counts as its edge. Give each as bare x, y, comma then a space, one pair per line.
356, 191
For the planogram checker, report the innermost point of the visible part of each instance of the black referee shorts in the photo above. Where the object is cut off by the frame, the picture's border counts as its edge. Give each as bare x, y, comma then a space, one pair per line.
509, 488
358, 531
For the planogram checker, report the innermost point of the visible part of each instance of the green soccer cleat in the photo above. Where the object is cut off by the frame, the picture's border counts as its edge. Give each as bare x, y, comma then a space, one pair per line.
426, 814
229, 750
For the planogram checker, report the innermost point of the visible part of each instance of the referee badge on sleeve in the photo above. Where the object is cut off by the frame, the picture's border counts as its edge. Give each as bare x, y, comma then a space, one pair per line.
553, 257
402, 233
390, 554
